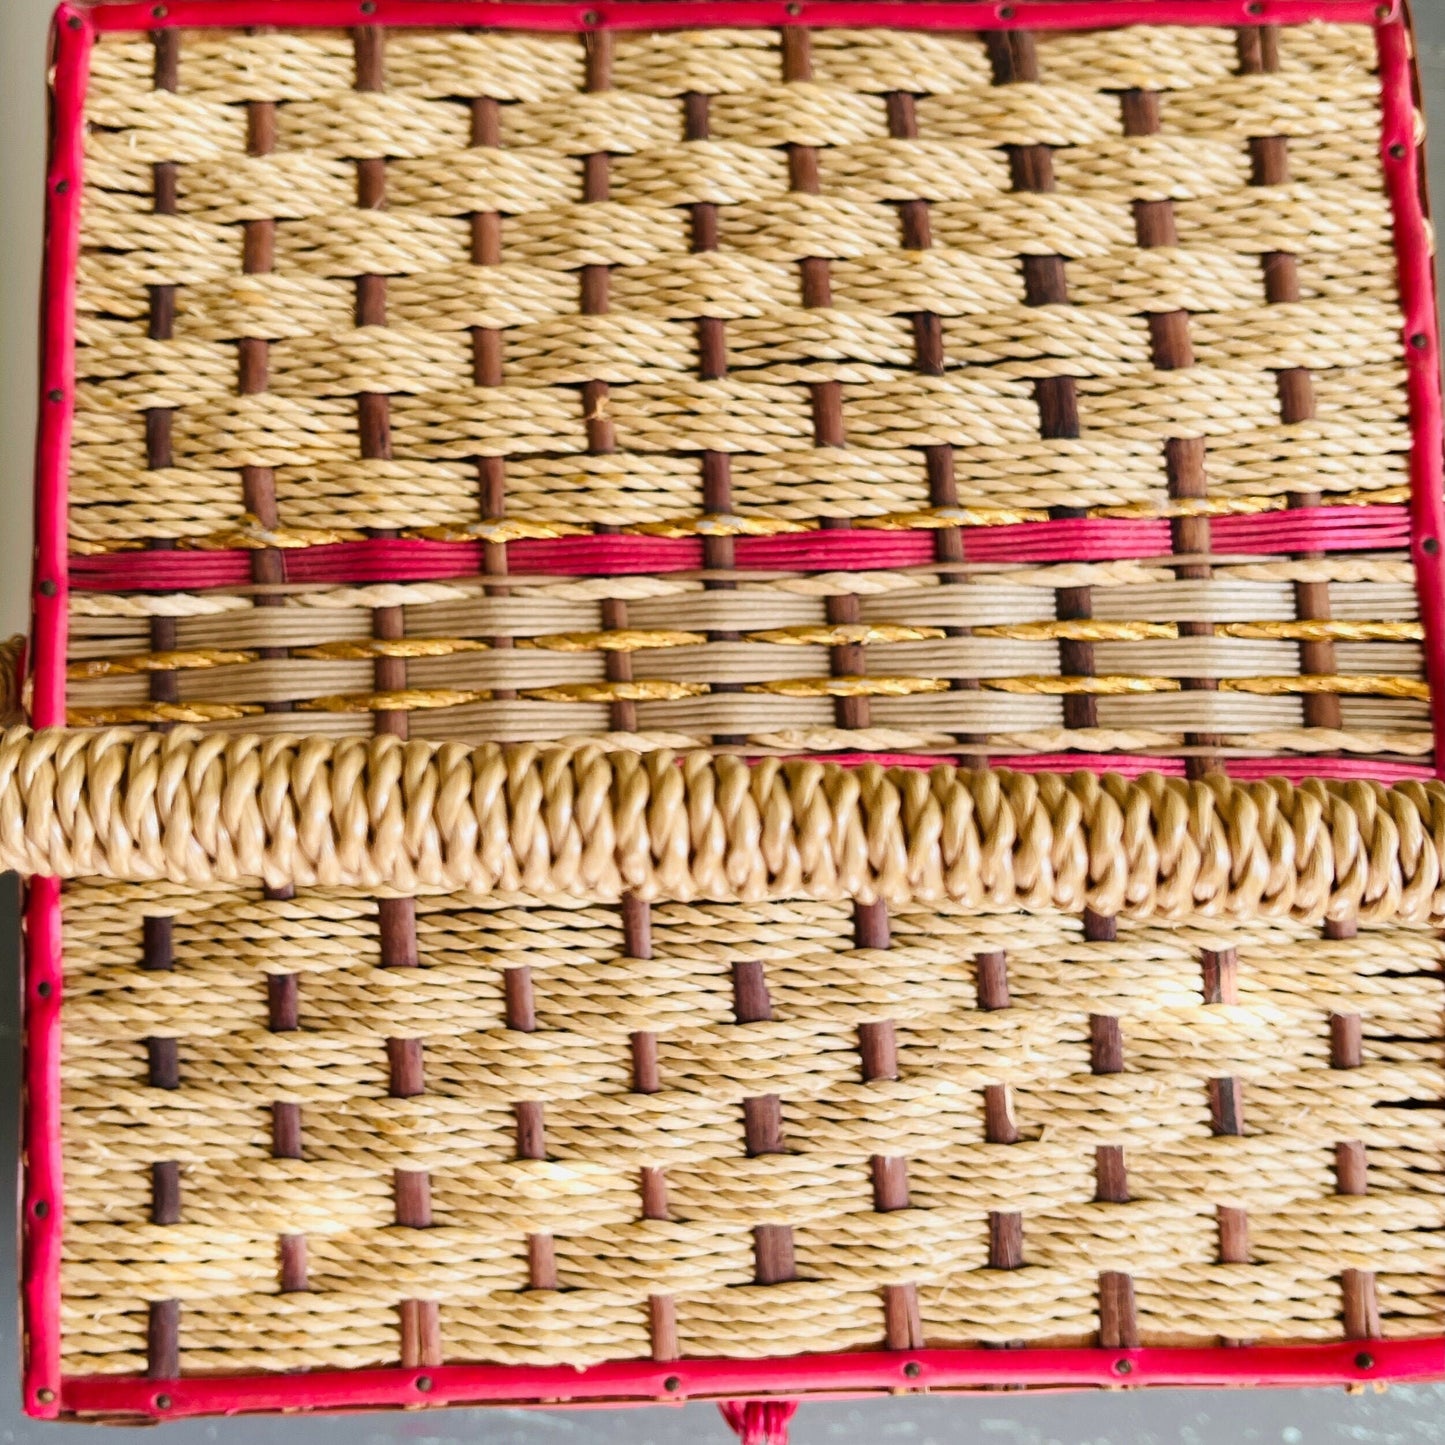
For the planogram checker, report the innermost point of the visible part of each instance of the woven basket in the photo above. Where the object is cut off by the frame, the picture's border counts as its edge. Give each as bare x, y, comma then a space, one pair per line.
732, 712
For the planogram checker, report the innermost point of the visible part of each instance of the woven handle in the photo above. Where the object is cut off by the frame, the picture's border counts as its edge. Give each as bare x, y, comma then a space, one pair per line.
381, 813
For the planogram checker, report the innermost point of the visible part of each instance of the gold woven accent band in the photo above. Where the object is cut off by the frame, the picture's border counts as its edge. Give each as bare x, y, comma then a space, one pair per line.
380, 813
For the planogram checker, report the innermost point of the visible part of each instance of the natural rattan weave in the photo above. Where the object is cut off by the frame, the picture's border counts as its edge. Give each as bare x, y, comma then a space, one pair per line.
1031, 1175
728, 286
734, 693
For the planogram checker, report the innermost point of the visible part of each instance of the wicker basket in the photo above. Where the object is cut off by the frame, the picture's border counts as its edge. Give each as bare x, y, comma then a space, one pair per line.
732, 712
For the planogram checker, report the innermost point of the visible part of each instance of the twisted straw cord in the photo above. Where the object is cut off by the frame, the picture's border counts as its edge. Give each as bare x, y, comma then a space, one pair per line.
380, 813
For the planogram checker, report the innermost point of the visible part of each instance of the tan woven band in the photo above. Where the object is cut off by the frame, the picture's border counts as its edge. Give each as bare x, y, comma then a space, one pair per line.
380, 813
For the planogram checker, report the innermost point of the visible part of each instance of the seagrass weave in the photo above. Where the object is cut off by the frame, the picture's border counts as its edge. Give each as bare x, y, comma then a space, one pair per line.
1075, 302
699, 636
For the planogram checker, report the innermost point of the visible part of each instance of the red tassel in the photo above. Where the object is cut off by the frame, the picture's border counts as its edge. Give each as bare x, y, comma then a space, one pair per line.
759, 1422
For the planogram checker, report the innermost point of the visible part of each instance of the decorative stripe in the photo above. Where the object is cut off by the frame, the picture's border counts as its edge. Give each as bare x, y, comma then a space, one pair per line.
377, 559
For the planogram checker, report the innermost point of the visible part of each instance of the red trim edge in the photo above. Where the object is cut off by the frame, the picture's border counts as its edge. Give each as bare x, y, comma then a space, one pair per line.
1400, 155
557, 15
841, 1374
41, 1196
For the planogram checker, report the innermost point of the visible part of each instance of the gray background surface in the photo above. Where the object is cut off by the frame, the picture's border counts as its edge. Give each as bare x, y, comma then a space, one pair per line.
1414, 1416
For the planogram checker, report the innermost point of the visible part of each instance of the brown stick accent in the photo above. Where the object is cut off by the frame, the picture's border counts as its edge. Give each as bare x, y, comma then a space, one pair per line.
890, 1182
763, 1135
531, 1120
285, 1130
1219, 983
1270, 166
542, 1261
293, 1264
166, 1193
1361, 1304
1233, 1235
157, 934
815, 278
406, 1065
421, 1333
991, 985
1184, 457
637, 943
1118, 1318
1005, 1240
661, 1309
388, 624
487, 361
662, 1326
915, 223
654, 1193
999, 1126
773, 1254
595, 290
163, 1340
373, 409
718, 553
1358, 1291
283, 1002
488, 369
531, 1130
751, 1001
419, 1321
163, 686
1106, 1044
521, 1006
163, 1063
902, 1317
1220, 975
396, 922
1346, 1041
1258, 48
763, 1125
283, 1007
258, 484
157, 955
646, 1078
1226, 1106
991, 980
1352, 1175
878, 1048
878, 1055
1111, 1177
163, 1327
1118, 1323
622, 714
1031, 168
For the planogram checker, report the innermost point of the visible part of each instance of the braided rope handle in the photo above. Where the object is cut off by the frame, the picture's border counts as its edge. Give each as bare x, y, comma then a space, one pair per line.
380, 813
